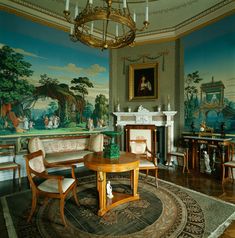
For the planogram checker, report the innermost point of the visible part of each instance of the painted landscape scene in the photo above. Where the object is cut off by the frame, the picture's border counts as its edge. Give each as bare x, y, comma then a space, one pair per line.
49, 84
209, 83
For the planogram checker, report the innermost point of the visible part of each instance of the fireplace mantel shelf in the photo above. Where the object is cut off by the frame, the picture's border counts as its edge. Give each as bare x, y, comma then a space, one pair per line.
163, 118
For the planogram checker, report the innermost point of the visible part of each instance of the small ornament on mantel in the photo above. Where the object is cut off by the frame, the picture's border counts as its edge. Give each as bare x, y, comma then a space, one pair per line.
118, 106
168, 103
159, 108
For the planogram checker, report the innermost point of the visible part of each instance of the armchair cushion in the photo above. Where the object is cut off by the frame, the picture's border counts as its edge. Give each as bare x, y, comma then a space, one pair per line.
65, 145
138, 148
96, 143
66, 156
37, 164
36, 144
51, 185
146, 163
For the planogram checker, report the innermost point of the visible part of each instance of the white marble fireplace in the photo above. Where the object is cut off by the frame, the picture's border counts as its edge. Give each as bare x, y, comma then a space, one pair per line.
143, 116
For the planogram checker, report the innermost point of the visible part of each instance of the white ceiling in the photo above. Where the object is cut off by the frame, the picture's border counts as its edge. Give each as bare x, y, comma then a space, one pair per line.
169, 19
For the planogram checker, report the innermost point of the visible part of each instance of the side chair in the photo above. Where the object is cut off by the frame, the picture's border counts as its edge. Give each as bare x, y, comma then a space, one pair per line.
7, 160
229, 164
52, 186
181, 152
148, 160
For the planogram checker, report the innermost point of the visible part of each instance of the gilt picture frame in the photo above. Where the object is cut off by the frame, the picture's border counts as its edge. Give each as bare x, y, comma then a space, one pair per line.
143, 81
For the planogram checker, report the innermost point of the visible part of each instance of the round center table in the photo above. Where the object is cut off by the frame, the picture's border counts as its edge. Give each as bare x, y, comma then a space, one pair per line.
126, 162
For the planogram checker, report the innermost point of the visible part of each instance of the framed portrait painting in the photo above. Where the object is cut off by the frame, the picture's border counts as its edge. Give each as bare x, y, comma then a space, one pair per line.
143, 81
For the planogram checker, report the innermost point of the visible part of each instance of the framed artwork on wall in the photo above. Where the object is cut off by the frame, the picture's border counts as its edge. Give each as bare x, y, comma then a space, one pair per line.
143, 81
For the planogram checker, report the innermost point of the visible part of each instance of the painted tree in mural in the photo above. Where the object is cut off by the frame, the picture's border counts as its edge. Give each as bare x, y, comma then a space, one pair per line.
88, 110
191, 95
81, 85
100, 114
60, 92
14, 88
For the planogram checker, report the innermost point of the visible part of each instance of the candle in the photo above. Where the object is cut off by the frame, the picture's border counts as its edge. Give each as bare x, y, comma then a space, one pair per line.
76, 10
147, 12
134, 17
124, 3
67, 5
116, 30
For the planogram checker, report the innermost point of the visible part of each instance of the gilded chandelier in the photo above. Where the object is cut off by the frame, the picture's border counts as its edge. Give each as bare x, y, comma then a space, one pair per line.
106, 25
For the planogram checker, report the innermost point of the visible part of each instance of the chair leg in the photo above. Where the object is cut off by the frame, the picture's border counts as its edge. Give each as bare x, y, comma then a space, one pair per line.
232, 173
75, 193
187, 164
168, 160
156, 177
147, 173
223, 174
33, 206
19, 176
62, 211
184, 165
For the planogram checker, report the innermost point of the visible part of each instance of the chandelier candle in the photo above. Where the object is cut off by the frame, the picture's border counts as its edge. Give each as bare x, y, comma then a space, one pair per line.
105, 24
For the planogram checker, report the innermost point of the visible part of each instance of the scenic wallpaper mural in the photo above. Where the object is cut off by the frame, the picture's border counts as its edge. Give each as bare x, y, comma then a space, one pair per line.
209, 84
49, 84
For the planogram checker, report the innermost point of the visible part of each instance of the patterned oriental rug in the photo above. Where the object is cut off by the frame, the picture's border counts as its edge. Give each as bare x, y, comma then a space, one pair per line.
166, 211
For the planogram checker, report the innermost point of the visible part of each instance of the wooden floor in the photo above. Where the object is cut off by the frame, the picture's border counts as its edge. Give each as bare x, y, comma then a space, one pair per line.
197, 181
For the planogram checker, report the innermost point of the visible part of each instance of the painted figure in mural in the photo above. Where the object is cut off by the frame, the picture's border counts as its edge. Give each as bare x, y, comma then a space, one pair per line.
100, 123
109, 190
20, 125
56, 121
31, 124
90, 125
144, 87
46, 121
50, 123
26, 123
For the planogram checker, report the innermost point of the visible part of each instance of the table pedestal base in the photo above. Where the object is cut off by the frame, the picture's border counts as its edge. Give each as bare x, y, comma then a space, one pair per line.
105, 204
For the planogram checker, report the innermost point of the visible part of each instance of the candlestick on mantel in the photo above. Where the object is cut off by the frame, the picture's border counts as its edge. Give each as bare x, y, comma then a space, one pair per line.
168, 103
67, 5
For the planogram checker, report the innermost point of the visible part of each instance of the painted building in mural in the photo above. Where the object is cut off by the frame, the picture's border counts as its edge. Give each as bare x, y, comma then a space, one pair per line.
49, 83
209, 91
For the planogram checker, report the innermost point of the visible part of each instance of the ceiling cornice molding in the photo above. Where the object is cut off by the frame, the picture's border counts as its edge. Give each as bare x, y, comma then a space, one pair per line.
206, 17
42, 15
35, 13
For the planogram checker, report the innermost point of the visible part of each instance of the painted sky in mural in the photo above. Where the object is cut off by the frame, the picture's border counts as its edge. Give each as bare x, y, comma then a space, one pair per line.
51, 52
211, 52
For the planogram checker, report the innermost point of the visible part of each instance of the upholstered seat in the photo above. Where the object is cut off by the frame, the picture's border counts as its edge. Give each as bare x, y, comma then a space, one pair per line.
52, 186
148, 160
65, 157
